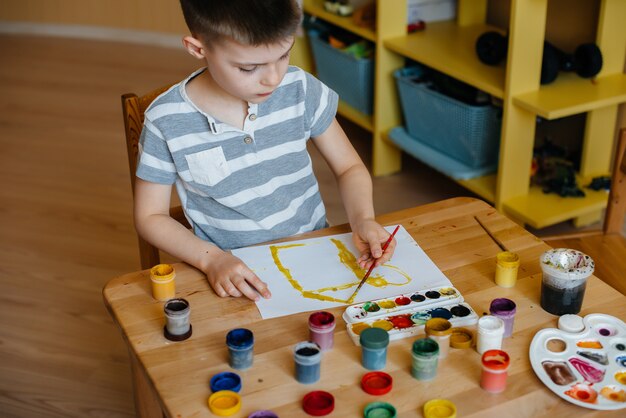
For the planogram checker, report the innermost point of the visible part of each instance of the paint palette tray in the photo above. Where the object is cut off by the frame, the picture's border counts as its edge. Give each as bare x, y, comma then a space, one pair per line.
411, 322
587, 368
381, 308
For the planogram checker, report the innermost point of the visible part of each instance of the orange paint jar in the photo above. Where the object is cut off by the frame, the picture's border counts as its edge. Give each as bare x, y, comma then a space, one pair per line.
163, 285
495, 367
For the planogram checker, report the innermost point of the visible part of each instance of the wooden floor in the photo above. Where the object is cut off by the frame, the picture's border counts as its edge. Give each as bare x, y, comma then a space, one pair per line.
66, 226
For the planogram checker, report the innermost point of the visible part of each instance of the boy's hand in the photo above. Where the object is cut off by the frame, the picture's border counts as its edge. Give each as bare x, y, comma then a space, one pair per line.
369, 238
229, 276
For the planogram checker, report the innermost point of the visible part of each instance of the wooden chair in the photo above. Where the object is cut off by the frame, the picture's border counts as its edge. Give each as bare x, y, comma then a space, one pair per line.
606, 246
133, 109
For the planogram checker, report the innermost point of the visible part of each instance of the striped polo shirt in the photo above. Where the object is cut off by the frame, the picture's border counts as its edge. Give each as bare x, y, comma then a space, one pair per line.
241, 187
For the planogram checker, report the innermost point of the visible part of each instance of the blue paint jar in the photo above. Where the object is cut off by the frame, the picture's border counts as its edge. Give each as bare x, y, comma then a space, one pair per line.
374, 342
425, 355
308, 358
240, 342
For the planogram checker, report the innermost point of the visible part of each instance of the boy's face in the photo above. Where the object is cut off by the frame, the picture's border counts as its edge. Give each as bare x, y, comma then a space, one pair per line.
250, 73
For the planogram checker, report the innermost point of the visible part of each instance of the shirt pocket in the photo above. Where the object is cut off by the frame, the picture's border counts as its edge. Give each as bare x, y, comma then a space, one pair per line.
208, 167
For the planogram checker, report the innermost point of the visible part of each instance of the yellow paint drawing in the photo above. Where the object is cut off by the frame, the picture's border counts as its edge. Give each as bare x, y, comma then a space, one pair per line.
348, 260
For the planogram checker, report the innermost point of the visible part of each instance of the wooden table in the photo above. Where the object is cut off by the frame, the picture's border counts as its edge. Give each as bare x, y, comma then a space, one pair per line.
175, 375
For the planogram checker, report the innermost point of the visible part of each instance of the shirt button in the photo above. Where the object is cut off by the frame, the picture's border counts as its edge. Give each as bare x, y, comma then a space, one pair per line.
252, 117
247, 140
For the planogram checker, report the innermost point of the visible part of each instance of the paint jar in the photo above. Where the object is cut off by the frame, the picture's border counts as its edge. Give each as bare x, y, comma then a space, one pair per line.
163, 285
507, 264
504, 309
374, 342
565, 274
240, 342
425, 355
490, 332
321, 328
439, 408
379, 410
495, 366
308, 358
440, 330
177, 326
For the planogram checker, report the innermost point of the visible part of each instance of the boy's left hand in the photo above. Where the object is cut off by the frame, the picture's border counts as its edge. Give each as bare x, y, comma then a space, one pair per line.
369, 238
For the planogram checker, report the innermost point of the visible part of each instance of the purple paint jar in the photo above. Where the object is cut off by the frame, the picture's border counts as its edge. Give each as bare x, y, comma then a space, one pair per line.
504, 309
321, 327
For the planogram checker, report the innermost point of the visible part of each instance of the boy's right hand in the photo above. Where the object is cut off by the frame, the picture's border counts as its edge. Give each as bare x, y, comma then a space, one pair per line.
229, 276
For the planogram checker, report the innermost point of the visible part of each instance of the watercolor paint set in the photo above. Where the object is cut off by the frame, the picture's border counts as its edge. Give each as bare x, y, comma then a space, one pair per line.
405, 315
586, 368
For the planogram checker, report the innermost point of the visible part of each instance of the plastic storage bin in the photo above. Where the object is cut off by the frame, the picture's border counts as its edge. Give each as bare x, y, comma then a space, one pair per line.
469, 134
351, 78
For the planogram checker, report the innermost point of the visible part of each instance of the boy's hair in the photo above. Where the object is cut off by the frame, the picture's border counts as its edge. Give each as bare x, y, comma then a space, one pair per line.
249, 22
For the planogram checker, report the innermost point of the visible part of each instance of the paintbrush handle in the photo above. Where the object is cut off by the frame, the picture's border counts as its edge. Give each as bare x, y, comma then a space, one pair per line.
369, 271
496, 240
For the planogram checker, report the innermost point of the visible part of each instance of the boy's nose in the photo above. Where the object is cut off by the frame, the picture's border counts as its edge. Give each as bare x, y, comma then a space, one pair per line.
271, 77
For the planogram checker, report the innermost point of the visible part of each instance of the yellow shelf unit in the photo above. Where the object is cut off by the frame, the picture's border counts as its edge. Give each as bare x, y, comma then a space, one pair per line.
386, 158
353, 115
316, 8
449, 47
571, 95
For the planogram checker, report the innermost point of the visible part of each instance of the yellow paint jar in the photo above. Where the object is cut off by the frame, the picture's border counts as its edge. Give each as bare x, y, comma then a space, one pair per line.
163, 285
507, 264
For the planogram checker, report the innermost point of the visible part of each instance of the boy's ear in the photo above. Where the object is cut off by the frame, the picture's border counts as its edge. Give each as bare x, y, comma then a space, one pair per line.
194, 47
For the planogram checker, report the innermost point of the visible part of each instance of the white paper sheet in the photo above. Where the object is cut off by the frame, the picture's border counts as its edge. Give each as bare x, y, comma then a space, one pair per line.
300, 273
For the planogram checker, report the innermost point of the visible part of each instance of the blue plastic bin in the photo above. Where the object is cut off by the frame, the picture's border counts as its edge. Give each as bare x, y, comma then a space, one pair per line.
351, 78
470, 134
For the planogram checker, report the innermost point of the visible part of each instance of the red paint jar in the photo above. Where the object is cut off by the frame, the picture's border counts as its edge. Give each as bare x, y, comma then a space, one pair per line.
321, 327
495, 367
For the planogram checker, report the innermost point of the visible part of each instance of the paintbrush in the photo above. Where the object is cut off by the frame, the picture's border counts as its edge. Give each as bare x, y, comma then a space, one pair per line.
369, 271
496, 240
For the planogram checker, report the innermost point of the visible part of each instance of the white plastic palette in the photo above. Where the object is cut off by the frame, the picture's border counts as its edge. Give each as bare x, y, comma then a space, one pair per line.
402, 319
586, 368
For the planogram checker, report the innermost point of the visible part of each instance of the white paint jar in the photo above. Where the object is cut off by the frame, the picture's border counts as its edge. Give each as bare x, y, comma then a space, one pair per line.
490, 333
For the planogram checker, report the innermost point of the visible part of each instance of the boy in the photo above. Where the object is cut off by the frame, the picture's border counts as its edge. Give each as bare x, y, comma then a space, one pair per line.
232, 136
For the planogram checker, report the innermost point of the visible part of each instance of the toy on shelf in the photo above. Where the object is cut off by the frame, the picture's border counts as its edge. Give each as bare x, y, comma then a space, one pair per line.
553, 171
586, 61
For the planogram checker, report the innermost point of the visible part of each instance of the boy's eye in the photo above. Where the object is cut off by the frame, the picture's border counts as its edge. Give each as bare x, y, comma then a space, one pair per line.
248, 70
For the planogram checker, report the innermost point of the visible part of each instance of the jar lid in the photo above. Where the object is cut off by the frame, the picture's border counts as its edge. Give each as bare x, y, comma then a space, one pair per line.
379, 410
438, 327
461, 338
224, 403
496, 359
225, 381
240, 338
507, 259
571, 323
374, 338
263, 414
566, 263
376, 383
439, 408
318, 403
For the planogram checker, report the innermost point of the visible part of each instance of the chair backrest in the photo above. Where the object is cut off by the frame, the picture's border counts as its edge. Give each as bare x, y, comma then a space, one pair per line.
133, 109
616, 206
